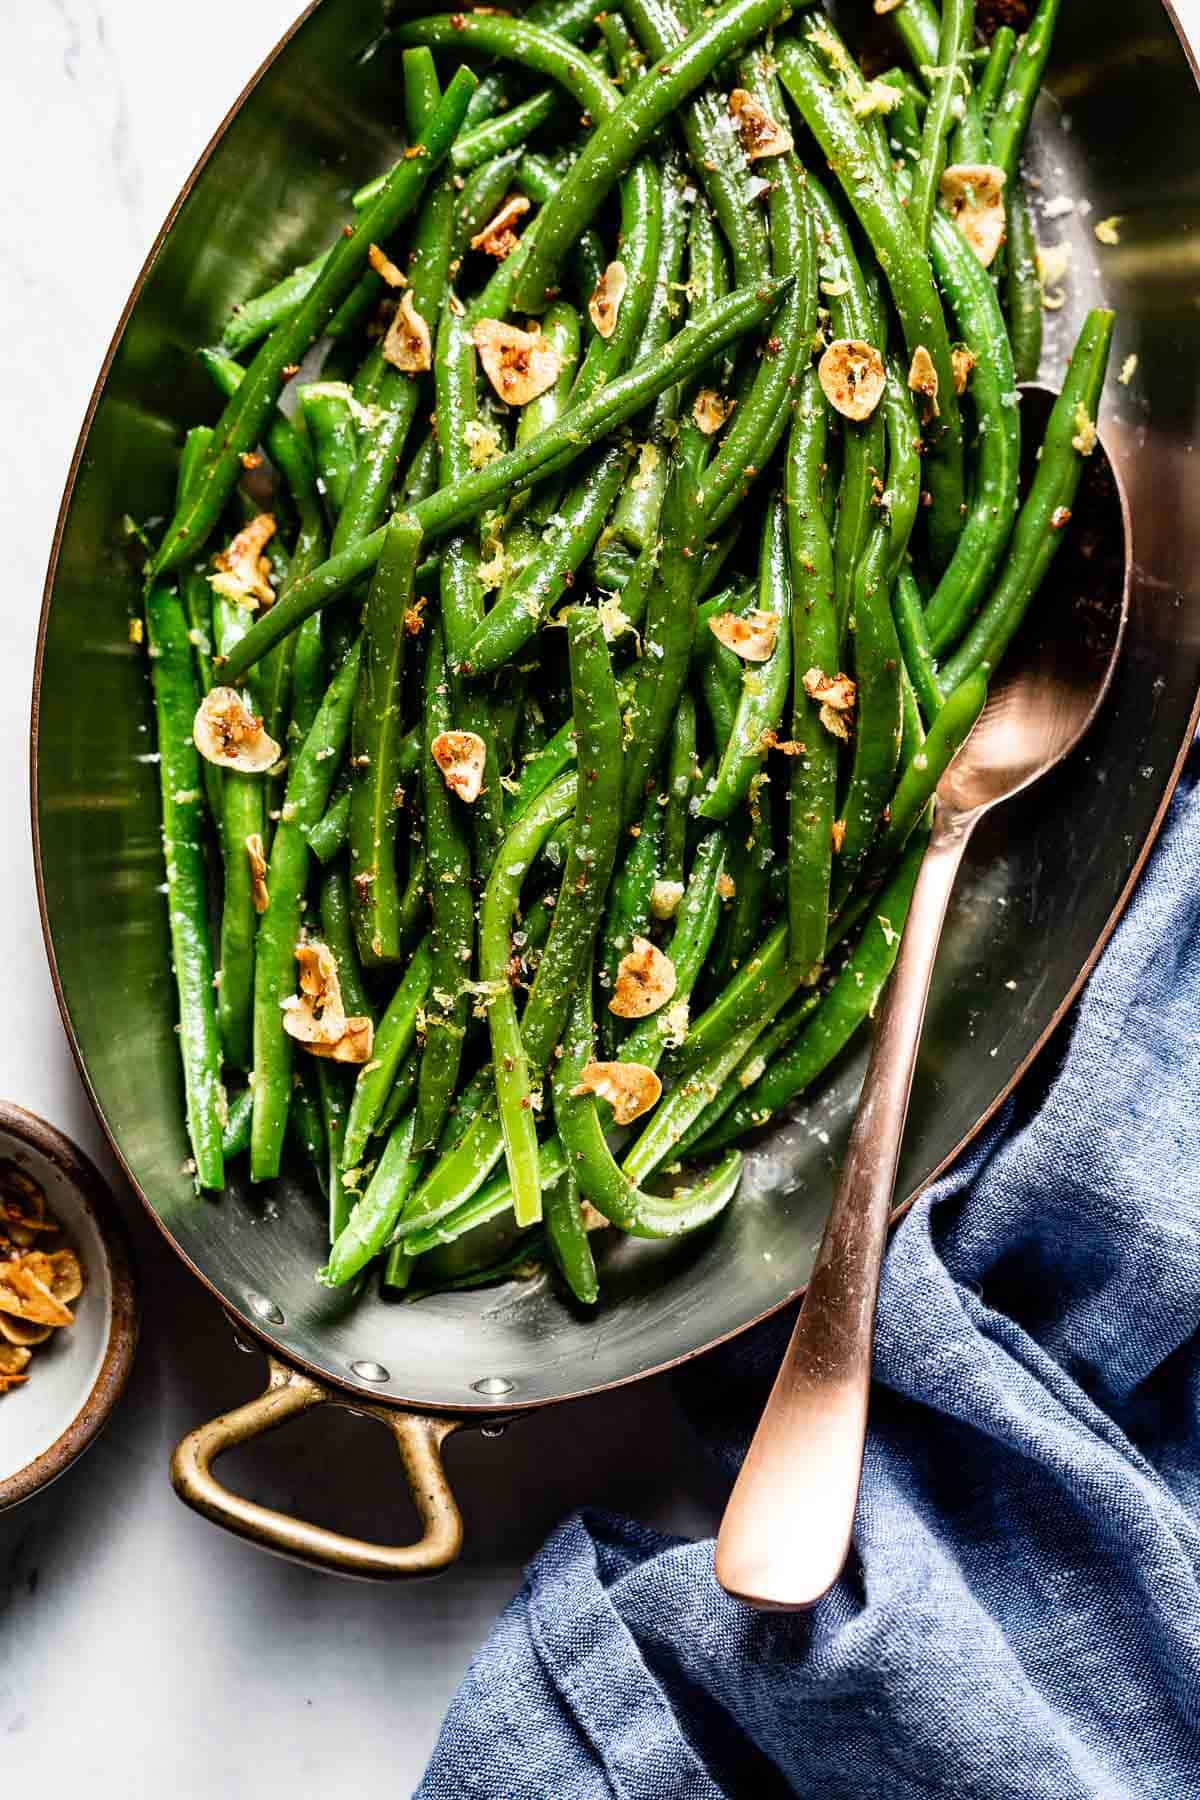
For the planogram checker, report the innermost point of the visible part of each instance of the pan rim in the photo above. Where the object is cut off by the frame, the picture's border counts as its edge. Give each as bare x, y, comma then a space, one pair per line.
482, 1410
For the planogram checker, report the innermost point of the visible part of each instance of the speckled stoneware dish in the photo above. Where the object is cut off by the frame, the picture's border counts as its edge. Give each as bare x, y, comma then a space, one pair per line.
76, 1377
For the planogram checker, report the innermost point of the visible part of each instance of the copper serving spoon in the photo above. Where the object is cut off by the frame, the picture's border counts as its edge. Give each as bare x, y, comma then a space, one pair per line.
786, 1530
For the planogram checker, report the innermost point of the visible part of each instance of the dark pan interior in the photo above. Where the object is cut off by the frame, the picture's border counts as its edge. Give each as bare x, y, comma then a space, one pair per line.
1122, 132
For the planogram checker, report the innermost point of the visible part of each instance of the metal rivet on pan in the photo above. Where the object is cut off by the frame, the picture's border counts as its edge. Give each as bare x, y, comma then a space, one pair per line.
265, 1309
369, 1371
493, 1431
493, 1384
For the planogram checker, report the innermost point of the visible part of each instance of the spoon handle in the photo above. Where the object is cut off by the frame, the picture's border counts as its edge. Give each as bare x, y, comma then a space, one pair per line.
786, 1530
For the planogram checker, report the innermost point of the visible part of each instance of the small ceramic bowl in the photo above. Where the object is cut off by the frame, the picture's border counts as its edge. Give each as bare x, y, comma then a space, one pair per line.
76, 1377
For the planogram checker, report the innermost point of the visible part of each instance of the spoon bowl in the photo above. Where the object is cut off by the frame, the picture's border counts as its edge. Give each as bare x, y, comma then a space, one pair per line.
787, 1527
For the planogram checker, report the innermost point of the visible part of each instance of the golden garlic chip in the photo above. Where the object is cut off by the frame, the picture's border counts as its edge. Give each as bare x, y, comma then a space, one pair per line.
835, 694
753, 637
243, 572
27, 1291
408, 345
227, 733
461, 756
316, 1016
975, 193
923, 380
664, 898
519, 364
630, 1088
710, 410
645, 981
498, 238
759, 132
605, 303
256, 851
962, 361
385, 268
852, 377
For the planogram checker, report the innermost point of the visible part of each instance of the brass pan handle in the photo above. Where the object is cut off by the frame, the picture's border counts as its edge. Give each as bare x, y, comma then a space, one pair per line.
419, 1439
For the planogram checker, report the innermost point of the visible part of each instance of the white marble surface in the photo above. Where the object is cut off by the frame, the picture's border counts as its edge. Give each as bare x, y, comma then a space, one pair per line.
141, 1650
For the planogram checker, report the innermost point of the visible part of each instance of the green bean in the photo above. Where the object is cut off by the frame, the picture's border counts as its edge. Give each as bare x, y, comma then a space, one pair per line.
400, 1095
912, 726
566, 543
1015, 106
240, 819
251, 320
1023, 288
421, 476
393, 1040
482, 195
678, 1111
235, 1139
715, 151
370, 1225
635, 517
507, 130
610, 1189
308, 679
629, 908
670, 628
331, 830
492, 1201
575, 431
912, 629
642, 207
337, 930
589, 865
877, 718
618, 139
957, 31
696, 923
991, 82
681, 785
516, 40
989, 520
187, 897
291, 455
852, 998
720, 695
567, 1236
765, 684
307, 1125
310, 779
1037, 533
327, 407
947, 735
452, 906
760, 422
247, 412
752, 873
854, 315
786, 1027
509, 1057
905, 267
570, 19
629, 65
815, 645
375, 746
561, 329
902, 496
331, 1097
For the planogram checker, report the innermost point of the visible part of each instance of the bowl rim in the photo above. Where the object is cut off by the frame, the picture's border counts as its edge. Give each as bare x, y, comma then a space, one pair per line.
243, 1323
123, 1319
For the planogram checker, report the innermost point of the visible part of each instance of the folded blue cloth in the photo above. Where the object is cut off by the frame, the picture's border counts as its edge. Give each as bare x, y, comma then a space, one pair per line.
1021, 1616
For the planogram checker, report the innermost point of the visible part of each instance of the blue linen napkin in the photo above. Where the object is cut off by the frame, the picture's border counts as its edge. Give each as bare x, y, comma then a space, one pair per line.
1021, 1615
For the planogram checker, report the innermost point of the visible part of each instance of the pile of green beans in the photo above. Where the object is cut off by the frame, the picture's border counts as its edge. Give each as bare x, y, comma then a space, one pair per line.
609, 709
